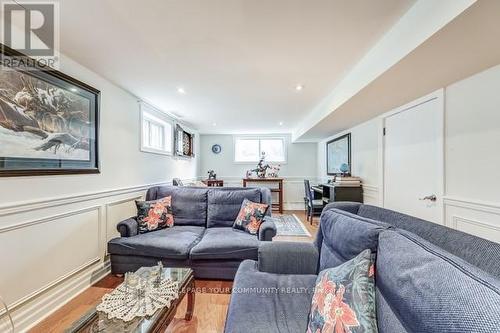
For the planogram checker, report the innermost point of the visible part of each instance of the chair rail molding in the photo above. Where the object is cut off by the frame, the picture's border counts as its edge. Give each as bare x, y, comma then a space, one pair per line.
26, 206
482, 206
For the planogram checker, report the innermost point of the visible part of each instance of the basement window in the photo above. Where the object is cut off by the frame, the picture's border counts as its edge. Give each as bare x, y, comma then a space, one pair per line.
249, 149
156, 131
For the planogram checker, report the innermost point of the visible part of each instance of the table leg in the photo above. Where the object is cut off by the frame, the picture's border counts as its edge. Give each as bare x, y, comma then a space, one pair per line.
190, 305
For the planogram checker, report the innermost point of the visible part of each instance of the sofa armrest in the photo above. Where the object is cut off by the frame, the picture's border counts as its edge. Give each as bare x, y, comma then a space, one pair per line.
267, 231
288, 258
128, 228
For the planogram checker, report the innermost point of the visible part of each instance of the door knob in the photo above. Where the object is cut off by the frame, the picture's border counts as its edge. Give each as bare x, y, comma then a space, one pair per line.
431, 197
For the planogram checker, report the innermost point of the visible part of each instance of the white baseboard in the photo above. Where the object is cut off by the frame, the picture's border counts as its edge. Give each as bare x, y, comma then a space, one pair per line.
34, 311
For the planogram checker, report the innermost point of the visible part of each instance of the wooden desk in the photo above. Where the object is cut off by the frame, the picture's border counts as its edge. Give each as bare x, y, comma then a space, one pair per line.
278, 206
213, 182
332, 193
317, 192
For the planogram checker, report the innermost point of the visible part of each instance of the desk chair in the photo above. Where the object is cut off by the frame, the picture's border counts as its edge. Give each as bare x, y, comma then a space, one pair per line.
313, 207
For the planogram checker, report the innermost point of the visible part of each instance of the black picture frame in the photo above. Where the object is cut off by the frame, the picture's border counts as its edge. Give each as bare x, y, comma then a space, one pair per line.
344, 142
13, 166
184, 142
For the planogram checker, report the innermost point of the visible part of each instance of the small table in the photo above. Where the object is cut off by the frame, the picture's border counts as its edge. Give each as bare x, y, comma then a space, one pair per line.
213, 182
278, 206
95, 321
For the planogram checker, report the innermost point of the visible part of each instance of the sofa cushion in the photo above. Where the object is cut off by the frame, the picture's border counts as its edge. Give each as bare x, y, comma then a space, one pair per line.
170, 243
154, 215
250, 216
424, 289
344, 298
344, 236
224, 206
226, 243
268, 303
475, 250
189, 205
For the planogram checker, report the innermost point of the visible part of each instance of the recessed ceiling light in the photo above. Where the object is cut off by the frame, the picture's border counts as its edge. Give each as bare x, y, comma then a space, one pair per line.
281, 123
299, 87
73, 89
181, 91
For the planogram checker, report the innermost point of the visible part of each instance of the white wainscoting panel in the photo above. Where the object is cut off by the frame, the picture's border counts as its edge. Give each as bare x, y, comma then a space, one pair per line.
52, 249
41, 253
473, 217
371, 195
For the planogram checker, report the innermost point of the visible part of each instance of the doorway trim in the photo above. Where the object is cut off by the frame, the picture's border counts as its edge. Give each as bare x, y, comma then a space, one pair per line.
438, 95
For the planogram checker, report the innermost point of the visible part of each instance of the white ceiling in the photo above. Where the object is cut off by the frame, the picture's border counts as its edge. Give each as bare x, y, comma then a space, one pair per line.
467, 45
238, 60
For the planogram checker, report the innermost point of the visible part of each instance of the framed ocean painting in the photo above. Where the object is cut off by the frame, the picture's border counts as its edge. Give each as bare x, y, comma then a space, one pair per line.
338, 154
49, 122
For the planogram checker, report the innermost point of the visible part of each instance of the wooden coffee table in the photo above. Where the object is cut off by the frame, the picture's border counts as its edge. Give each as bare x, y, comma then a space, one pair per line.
95, 321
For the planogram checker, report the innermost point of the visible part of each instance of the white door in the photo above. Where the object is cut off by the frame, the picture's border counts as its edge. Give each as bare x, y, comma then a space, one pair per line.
413, 159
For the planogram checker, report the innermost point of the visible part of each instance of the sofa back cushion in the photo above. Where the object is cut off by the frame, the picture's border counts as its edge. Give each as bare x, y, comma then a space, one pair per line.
421, 288
342, 236
477, 251
189, 204
224, 205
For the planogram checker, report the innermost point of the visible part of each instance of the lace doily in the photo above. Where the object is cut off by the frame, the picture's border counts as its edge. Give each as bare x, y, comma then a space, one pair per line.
126, 303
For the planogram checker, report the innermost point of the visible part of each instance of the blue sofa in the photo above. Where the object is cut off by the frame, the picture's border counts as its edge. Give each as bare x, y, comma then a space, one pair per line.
202, 236
429, 278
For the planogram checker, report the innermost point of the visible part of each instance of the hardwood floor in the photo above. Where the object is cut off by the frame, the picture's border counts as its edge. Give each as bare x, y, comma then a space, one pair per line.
212, 300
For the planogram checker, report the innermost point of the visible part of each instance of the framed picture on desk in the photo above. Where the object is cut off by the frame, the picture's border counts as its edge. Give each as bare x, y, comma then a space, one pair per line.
338, 152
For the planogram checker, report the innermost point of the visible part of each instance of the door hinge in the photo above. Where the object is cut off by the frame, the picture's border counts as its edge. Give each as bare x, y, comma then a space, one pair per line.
384, 131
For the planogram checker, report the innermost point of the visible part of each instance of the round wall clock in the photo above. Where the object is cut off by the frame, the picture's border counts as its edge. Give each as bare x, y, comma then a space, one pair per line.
216, 149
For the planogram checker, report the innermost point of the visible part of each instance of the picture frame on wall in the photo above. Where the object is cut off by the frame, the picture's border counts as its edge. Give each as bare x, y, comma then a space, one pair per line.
184, 142
338, 153
49, 121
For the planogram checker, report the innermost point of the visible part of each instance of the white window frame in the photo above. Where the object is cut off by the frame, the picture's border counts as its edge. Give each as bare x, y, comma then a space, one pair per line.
260, 138
154, 116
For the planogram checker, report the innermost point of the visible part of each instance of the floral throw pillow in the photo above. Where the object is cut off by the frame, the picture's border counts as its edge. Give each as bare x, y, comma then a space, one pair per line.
154, 215
250, 216
344, 298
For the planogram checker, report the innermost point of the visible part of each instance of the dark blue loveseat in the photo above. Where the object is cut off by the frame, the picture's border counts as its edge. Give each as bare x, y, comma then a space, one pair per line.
202, 236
